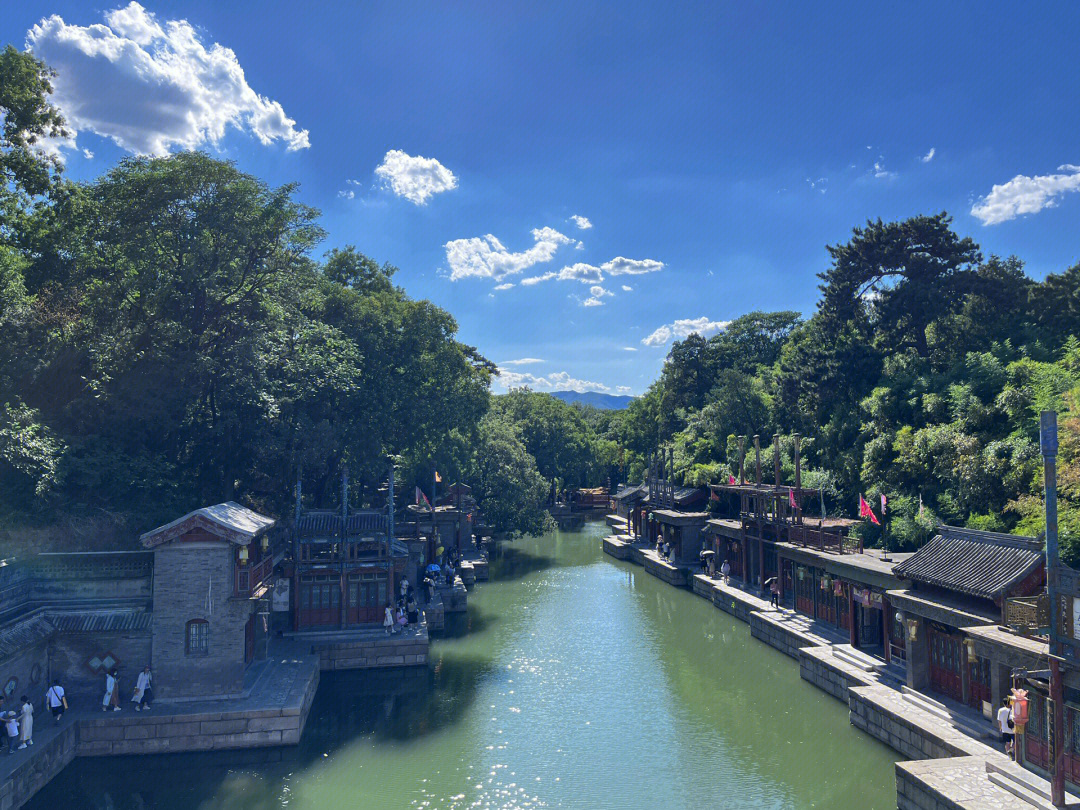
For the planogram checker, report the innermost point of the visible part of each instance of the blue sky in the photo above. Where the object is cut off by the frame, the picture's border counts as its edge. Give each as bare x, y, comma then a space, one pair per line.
713, 148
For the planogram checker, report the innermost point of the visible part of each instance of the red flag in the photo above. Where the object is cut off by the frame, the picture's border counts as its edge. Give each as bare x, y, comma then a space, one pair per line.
422, 498
713, 496
866, 512
883, 504
864, 507
791, 497
731, 480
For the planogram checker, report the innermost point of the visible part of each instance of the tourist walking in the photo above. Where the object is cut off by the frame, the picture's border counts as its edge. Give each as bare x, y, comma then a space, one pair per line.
144, 692
774, 592
412, 611
112, 692
11, 727
404, 587
26, 723
725, 572
56, 701
1006, 726
388, 619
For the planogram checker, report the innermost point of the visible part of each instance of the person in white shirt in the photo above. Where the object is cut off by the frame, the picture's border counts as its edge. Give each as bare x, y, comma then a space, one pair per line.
112, 697
725, 571
11, 726
56, 701
26, 723
1005, 725
144, 691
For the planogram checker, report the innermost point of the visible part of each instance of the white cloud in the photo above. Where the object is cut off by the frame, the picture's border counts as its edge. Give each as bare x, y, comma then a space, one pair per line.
505, 286
627, 288
555, 381
622, 389
486, 257
88, 154
684, 328
928, 156
629, 348
631, 267
1025, 195
591, 274
596, 296
414, 178
348, 195
352, 182
582, 222
151, 86
579, 246
524, 361
881, 171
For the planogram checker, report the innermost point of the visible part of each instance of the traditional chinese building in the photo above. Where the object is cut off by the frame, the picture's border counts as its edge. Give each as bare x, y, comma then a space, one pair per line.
346, 565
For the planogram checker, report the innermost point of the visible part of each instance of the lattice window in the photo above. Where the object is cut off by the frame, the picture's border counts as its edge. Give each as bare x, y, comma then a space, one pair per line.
197, 640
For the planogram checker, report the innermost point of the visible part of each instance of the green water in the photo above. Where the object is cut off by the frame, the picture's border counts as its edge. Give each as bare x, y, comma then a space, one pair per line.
579, 682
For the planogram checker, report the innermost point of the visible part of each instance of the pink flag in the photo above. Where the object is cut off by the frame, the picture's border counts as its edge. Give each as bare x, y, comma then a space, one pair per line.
864, 507
882, 504
731, 480
791, 497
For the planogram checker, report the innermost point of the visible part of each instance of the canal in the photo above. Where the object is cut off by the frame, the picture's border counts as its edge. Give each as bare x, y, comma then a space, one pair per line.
576, 682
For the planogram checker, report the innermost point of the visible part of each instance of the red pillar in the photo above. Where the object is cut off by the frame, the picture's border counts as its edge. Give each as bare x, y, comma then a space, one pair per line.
886, 623
853, 630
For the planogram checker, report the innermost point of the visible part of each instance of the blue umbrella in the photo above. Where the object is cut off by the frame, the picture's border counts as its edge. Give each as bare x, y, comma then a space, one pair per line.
433, 569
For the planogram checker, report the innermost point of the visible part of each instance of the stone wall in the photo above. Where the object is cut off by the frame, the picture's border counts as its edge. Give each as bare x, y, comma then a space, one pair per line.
668, 573
820, 667
882, 713
617, 548
786, 640
186, 573
35, 772
23, 666
372, 653
70, 653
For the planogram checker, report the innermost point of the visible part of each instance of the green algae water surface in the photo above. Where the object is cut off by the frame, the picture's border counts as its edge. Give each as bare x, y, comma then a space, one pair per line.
576, 682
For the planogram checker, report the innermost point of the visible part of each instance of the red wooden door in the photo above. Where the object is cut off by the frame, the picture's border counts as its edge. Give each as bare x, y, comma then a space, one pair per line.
320, 600
945, 664
978, 682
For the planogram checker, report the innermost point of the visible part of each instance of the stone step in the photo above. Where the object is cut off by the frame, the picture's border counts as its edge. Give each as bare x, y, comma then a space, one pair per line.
1018, 790
941, 711
856, 659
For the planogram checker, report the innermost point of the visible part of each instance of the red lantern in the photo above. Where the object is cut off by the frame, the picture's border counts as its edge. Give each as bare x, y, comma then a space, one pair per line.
1019, 709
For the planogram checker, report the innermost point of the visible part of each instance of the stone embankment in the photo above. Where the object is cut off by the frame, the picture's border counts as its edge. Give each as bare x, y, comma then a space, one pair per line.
955, 765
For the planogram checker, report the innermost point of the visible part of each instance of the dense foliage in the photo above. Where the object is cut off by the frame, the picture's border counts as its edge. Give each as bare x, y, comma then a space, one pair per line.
921, 375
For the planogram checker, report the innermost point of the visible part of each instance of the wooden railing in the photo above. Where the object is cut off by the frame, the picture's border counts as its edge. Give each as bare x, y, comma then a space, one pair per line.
801, 534
249, 577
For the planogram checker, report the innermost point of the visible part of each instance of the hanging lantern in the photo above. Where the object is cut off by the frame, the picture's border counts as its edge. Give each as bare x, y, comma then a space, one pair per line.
913, 630
1019, 709
265, 542
969, 645
243, 555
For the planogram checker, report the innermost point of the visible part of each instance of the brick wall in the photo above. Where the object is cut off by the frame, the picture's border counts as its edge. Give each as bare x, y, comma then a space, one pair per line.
184, 573
70, 652
21, 667
34, 772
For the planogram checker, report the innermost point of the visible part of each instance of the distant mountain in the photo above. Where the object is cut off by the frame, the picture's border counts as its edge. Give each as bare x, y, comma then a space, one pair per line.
605, 402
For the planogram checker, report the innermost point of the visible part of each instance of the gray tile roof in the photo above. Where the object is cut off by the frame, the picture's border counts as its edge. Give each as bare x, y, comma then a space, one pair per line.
23, 634
982, 564
100, 621
229, 520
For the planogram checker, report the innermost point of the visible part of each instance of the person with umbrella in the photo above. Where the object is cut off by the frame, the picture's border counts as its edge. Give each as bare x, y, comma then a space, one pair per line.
774, 591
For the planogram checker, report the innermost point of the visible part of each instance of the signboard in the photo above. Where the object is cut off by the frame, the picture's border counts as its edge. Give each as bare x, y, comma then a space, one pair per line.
281, 595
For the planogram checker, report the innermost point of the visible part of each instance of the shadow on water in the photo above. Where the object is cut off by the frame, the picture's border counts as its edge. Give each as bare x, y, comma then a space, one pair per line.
459, 625
509, 563
388, 705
